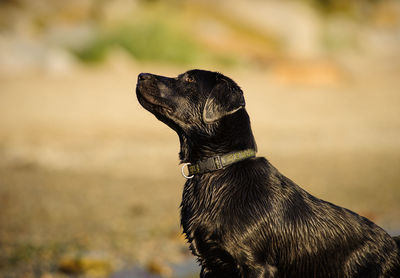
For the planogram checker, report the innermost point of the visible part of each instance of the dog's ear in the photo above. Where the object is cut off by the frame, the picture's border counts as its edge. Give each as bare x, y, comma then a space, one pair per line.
225, 98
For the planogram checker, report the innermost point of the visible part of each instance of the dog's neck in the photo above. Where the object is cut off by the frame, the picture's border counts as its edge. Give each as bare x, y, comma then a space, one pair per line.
232, 133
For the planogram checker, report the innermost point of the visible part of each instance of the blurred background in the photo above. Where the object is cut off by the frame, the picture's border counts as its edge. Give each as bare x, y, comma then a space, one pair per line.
90, 184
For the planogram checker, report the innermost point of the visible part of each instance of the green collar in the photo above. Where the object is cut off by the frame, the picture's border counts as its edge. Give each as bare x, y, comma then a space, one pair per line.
216, 162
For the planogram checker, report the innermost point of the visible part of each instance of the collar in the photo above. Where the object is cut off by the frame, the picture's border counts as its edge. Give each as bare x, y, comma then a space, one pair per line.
216, 162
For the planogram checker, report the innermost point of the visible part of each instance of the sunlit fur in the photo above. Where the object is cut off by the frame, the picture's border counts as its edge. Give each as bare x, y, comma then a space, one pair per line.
249, 220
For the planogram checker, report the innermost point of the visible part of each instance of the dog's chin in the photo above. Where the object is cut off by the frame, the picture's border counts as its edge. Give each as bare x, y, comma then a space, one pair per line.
152, 103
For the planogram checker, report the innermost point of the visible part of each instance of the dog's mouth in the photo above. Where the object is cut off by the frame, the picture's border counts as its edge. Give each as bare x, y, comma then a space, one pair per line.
149, 100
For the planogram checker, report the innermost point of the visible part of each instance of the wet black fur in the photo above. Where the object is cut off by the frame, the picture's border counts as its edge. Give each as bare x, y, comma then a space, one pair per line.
249, 220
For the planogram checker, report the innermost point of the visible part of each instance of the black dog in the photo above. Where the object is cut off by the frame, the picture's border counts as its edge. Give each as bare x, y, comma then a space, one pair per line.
241, 216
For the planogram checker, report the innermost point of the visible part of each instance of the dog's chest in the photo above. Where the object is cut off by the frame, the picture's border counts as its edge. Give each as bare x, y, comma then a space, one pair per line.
202, 218
202, 207
208, 244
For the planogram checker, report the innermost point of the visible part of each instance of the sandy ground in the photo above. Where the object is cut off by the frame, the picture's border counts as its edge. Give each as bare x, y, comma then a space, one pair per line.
85, 169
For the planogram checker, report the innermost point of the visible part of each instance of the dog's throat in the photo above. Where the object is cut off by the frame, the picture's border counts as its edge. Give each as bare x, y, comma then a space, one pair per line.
216, 162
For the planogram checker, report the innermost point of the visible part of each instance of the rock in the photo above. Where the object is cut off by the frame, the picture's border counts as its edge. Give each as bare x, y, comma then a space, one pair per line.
90, 264
158, 266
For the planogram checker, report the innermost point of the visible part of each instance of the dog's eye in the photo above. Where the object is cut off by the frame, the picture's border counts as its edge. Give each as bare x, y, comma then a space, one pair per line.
189, 79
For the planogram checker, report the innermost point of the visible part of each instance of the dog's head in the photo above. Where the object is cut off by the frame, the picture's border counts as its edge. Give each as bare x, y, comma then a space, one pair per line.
205, 108
195, 97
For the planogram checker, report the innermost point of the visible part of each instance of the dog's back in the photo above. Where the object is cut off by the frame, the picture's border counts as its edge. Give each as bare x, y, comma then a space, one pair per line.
397, 240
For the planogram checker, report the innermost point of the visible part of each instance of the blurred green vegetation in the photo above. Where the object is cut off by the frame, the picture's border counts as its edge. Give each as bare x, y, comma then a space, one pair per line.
159, 31
151, 40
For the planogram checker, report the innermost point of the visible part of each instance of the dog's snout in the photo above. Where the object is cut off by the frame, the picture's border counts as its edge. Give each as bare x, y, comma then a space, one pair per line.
144, 76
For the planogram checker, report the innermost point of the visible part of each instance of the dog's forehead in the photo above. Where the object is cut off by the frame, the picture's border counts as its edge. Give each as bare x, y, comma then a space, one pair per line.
202, 74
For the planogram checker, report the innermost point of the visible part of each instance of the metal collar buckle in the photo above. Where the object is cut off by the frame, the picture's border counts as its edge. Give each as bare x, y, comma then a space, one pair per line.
183, 171
218, 163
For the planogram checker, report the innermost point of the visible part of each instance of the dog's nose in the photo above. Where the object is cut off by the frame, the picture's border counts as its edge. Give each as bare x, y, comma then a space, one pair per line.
144, 76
